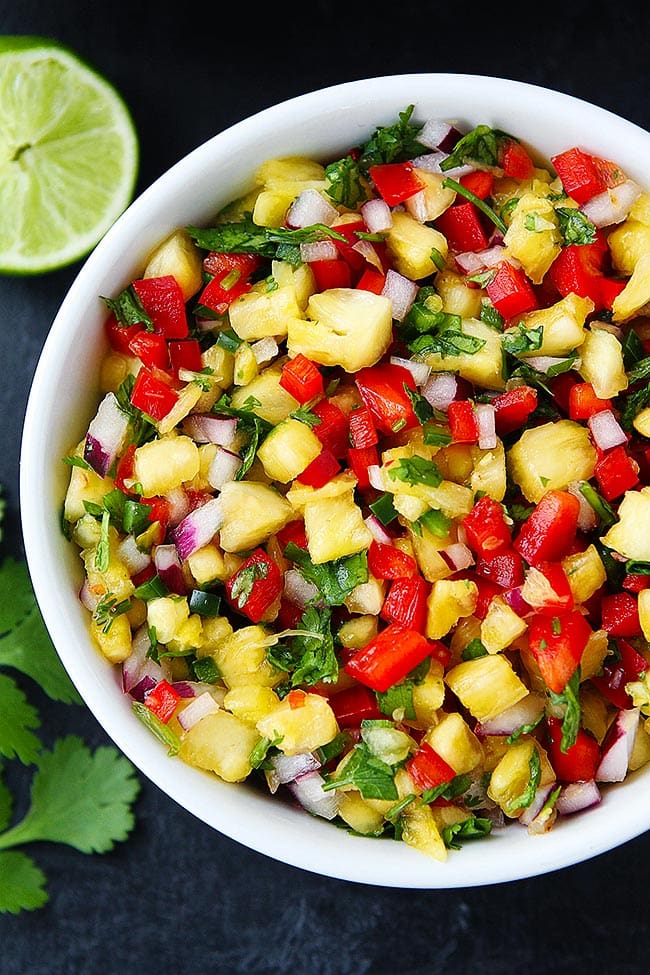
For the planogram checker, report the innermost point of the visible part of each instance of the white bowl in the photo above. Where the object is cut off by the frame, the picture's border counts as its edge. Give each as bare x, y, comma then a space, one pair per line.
322, 124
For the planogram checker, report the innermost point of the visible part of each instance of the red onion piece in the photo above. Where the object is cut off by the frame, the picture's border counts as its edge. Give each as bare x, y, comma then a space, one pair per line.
369, 252
523, 712
542, 363
106, 435
138, 666
377, 530
577, 796
87, 598
515, 600
375, 477
179, 505
223, 468
377, 215
290, 767
606, 430
205, 428
318, 250
419, 370
129, 553
486, 418
440, 390
458, 556
198, 528
438, 134
168, 567
311, 207
401, 291
308, 790
297, 589
472, 261
201, 706
613, 205
587, 518
531, 812
617, 747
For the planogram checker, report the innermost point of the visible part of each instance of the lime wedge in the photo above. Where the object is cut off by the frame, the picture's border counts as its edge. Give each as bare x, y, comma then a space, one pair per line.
68, 156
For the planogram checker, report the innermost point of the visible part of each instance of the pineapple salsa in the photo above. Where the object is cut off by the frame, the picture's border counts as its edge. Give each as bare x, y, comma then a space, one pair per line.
364, 510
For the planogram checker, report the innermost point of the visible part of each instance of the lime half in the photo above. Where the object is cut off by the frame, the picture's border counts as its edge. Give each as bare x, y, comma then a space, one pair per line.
68, 156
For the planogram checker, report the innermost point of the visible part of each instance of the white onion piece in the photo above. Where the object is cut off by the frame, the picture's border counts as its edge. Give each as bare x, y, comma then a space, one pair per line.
577, 796
401, 292
311, 207
297, 589
587, 517
179, 505
377, 530
264, 351
375, 477
377, 215
419, 370
318, 250
613, 205
308, 790
431, 162
440, 390
486, 420
168, 567
367, 251
472, 261
205, 428
138, 665
523, 712
606, 430
224, 467
198, 528
106, 435
133, 558
200, 707
542, 363
617, 747
290, 767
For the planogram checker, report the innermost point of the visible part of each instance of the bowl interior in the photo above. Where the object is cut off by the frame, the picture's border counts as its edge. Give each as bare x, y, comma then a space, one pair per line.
64, 395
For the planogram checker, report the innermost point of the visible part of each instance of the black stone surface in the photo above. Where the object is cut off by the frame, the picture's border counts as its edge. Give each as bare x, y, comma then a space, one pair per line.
178, 897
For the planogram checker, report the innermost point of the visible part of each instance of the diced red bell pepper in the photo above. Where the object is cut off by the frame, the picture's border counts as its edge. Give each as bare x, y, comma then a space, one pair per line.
616, 473
579, 174
354, 705
548, 532
461, 224
561, 387
505, 568
381, 388
395, 182
332, 431
428, 769
125, 468
160, 510
152, 395
331, 273
359, 460
255, 586
389, 657
296, 698
293, 531
580, 761
578, 269
635, 583
486, 528
386, 561
619, 613
320, 470
219, 264
363, 432
463, 422
557, 644
345, 247
562, 599
219, 297
162, 299
584, 403
406, 603
151, 348
480, 183
120, 336
629, 667
372, 280
185, 354
513, 408
510, 291
515, 160
302, 379
162, 700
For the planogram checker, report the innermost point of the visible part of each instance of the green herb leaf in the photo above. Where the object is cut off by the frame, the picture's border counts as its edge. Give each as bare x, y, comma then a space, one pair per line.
392, 143
344, 183
520, 339
399, 697
373, 778
569, 698
128, 309
310, 656
603, 509
18, 719
22, 883
525, 799
245, 237
334, 580
416, 470
481, 145
475, 648
575, 227
476, 827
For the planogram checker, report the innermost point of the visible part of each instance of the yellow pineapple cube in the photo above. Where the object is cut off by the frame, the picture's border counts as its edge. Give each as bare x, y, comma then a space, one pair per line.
501, 626
300, 495
252, 513
448, 600
432, 200
533, 237
429, 695
484, 367
270, 401
457, 297
489, 474
551, 456
511, 777
593, 655
164, 464
585, 572
629, 242
260, 313
207, 565
250, 702
335, 528
359, 814
220, 743
367, 598
636, 293
114, 642
288, 449
427, 548
357, 632
179, 257
453, 740
630, 535
84, 485
222, 364
166, 614
486, 686
241, 658
411, 243
420, 831
601, 362
298, 169
562, 325
302, 721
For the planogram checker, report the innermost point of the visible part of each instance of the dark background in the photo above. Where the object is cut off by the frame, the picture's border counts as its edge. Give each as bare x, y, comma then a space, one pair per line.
178, 897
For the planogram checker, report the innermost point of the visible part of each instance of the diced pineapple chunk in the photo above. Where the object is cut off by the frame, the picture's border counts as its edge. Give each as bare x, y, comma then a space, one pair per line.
215, 630
484, 367
427, 548
501, 626
300, 495
252, 513
359, 814
628, 243
454, 741
304, 724
357, 632
251, 702
300, 169
486, 686
222, 364
84, 485
411, 243
601, 362
432, 200
164, 464
562, 325
220, 743
630, 535
489, 473
114, 642
594, 713
511, 777
188, 397
636, 293
458, 298
166, 614
114, 580
347, 327
641, 422
640, 755
270, 401
551, 456
419, 830
260, 313
179, 256
367, 598
533, 237
585, 572
207, 565
448, 601
288, 450
335, 528
241, 658
593, 655
429, 695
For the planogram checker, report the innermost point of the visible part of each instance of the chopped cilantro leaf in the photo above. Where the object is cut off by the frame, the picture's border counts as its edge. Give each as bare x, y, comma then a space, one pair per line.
392, 143
571, 702
344, 183
481, 145
575, 227
416, 470
373, 778
334, 580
